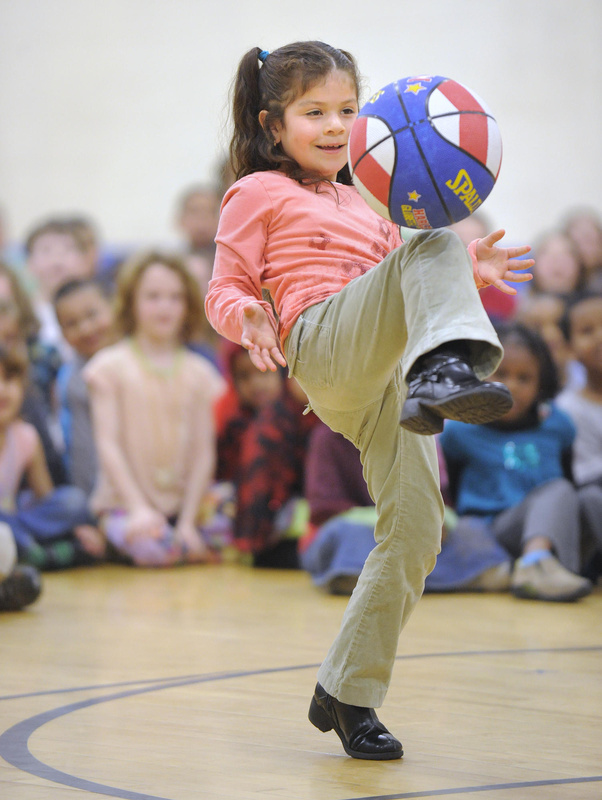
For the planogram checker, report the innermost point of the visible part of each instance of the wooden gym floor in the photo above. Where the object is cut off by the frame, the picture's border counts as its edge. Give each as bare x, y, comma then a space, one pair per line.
194, 683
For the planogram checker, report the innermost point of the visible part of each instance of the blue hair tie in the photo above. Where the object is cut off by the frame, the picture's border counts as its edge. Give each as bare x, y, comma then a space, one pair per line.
263, 55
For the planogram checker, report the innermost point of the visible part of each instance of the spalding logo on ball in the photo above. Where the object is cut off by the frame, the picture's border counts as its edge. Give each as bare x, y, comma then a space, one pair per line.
425, 152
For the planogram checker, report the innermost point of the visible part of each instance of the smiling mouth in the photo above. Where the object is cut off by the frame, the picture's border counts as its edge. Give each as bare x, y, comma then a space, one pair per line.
331, 148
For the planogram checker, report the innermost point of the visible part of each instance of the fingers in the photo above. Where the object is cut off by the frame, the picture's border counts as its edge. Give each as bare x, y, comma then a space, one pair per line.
264, 359
518, 277
504, 288
520, 263
494, 237
514, 252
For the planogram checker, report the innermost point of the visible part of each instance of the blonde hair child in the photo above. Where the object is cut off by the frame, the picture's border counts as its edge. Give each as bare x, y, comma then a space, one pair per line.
151, 403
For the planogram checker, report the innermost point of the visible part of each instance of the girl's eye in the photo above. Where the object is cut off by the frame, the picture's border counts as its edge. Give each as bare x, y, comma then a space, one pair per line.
314, 113
349, 111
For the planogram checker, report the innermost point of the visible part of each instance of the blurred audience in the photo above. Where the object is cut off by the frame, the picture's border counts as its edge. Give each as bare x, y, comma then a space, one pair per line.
176, 463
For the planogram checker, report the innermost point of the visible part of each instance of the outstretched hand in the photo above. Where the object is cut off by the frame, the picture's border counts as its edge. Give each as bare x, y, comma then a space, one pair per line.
495, 264
259, 338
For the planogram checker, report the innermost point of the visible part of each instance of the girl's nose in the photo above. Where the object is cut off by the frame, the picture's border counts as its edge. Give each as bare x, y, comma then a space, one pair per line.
334, 123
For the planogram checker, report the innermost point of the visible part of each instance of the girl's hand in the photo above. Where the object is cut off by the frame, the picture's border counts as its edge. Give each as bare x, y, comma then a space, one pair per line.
145, 523
495, 264
188, 536
259, 338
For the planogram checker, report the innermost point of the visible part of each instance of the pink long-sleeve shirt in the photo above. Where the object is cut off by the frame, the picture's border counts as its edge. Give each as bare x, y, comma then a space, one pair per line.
302, 243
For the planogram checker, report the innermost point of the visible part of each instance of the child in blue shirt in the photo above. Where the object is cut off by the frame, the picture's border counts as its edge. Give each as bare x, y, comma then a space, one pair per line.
515, 473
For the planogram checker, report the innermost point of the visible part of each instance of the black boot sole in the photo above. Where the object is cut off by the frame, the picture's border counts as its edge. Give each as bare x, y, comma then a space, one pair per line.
320, 719
477, 405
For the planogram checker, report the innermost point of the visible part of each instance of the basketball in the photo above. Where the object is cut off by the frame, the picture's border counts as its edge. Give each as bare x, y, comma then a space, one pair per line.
425, 152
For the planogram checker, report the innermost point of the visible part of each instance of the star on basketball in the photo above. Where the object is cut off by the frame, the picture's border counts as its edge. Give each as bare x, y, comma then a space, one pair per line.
415, 88
414, 196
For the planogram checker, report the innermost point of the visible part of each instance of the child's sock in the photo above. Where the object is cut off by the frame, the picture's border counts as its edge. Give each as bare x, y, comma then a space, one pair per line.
533, 557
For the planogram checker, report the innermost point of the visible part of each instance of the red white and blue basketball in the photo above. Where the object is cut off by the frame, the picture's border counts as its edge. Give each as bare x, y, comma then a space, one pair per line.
425, 152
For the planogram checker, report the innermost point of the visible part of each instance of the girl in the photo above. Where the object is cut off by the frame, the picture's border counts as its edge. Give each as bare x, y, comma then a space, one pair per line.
515, 474
52, 527
151, 403
293, 227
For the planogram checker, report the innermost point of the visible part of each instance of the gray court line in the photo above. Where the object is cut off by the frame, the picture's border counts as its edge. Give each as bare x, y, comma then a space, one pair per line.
14, 743
226, 675
490, 788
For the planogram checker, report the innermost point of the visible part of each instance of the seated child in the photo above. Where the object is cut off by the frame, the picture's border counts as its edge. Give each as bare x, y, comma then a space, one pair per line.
271, 514
248, 391
57, 251
342, 519
86, 318
52, 527
514, 474
543, 313
582, 325
152, 412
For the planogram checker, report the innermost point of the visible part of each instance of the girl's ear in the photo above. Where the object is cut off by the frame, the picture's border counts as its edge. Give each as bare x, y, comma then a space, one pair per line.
274, 129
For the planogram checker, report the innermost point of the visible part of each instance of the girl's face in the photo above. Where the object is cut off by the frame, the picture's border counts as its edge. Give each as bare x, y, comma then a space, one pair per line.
316, 125
519, 371
586, 334
160, 304
11, 398
85, 318
558, 269
9, 314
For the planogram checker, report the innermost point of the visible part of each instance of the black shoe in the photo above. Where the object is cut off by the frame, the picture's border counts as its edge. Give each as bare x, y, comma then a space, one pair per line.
442, 385
19, 589
359, 729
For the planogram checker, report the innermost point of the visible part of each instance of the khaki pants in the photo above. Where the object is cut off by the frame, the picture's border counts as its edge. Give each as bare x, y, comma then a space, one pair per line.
351, 354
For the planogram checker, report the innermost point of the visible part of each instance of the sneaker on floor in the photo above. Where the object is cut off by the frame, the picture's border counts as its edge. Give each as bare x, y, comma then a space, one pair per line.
494, 579
547, 579
21, 588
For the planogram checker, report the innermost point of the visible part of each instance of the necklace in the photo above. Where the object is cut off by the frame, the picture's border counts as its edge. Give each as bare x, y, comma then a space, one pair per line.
165, 404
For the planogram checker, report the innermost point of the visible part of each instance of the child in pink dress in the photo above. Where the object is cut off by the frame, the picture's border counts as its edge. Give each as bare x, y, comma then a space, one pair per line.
151, 403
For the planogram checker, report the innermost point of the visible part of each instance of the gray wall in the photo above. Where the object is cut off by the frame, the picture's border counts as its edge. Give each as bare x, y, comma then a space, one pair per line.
110, 107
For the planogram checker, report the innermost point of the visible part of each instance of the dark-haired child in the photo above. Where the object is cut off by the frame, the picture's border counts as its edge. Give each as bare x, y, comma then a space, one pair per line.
85, 316
582, 325
373, 331
514, 474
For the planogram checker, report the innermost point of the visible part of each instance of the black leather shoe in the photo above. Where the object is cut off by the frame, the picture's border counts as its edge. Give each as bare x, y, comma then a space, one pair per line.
444, 386
359, 729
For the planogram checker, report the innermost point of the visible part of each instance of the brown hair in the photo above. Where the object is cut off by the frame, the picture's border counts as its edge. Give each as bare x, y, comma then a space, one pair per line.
129, 277
28, 323
73, 227
14, 363
284, 74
